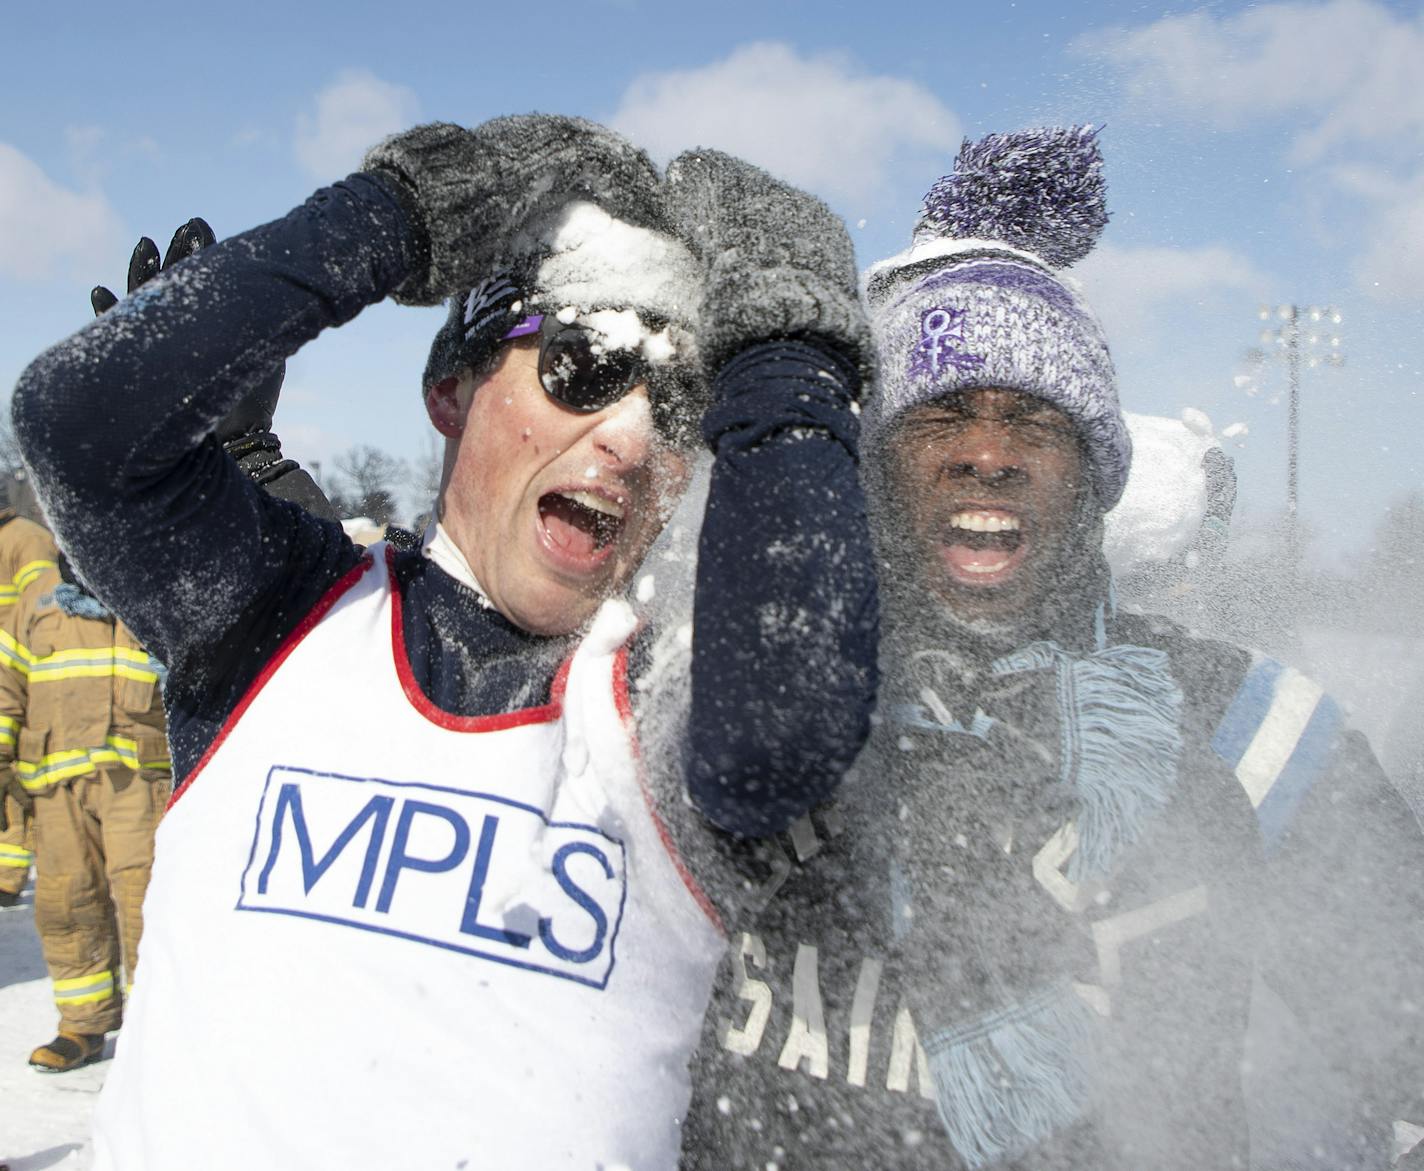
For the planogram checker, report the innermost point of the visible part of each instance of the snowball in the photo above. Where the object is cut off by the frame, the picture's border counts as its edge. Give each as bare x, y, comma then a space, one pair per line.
1162, 507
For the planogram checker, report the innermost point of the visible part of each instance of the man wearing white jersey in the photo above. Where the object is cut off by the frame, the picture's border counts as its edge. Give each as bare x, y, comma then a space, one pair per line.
431, 892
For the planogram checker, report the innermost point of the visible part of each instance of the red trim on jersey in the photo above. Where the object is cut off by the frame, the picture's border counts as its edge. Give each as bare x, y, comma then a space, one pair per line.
288, 645
439, 716
625, 711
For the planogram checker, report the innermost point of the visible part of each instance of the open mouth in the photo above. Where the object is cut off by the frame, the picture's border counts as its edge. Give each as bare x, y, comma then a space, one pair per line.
983, 546
581, 526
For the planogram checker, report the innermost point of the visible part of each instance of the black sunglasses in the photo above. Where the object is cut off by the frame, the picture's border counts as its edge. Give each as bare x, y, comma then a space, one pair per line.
580, 374
574, 370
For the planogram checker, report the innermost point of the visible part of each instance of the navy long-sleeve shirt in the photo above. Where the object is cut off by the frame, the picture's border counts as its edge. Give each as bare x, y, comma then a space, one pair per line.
212, 574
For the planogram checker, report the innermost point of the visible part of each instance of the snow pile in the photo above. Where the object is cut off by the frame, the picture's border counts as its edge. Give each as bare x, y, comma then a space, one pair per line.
1161, 510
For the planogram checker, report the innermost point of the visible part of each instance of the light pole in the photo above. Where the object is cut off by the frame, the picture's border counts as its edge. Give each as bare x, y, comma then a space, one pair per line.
1305, 332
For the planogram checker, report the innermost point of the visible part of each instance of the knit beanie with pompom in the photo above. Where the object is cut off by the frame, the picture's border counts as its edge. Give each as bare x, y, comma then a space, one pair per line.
979, 301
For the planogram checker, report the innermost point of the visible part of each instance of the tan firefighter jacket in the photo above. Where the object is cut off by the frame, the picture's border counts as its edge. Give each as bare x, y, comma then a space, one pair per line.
76, 694
26, 551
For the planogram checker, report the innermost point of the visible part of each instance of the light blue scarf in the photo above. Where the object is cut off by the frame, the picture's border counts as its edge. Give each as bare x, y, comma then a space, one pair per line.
1009, 1078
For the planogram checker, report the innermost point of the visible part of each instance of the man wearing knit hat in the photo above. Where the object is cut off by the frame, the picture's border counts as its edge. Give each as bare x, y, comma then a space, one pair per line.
1026, 933
485, 935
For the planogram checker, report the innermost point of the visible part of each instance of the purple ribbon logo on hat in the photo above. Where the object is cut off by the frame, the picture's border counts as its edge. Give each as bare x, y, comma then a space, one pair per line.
941, 345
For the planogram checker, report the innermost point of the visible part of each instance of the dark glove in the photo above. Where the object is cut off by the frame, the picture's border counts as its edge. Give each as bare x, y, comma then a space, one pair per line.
778, 262
254, 413
245, 431
476, 193
10, 787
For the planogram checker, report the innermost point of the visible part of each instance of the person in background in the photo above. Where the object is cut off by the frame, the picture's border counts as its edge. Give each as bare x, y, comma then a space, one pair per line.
26, 552
90, 755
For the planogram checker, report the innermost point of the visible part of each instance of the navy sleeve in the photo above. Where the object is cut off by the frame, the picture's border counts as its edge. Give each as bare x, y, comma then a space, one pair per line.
116, 423
785, 613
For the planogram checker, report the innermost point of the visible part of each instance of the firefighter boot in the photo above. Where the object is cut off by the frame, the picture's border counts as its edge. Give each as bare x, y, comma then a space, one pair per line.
68, 1051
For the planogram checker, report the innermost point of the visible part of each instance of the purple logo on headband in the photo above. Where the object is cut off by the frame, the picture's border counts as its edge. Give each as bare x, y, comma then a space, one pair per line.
941, 345
490, 297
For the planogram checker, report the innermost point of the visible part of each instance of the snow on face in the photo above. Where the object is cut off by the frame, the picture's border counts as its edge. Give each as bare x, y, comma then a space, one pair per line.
1161, 510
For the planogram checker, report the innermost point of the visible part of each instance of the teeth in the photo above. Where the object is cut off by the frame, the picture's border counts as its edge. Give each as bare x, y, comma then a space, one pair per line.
984, 522
596, 503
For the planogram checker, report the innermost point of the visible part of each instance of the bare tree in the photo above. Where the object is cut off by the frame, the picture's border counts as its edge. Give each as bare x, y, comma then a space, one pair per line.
369, 481
15, 490
427, 470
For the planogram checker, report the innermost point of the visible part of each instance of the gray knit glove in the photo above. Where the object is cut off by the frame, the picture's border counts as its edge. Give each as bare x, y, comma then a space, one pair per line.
477, 192
778, 262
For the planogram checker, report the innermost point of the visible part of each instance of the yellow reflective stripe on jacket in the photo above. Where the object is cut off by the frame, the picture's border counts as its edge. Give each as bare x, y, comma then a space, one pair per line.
127, 748
84, 989
54, 767
16, 856
28, 572
11, 590
14, 655
92, 663
9, 729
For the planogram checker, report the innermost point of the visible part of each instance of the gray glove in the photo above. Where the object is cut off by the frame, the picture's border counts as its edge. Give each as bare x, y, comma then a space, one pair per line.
477, 191
777, 261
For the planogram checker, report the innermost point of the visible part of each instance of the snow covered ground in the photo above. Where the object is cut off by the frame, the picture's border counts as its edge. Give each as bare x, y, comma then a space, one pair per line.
44, 1118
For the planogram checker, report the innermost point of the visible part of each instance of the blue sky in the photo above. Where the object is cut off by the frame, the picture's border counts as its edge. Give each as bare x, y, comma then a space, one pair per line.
1255, 154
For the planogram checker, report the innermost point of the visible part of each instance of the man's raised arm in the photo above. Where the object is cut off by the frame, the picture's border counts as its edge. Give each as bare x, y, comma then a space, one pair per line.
117, 420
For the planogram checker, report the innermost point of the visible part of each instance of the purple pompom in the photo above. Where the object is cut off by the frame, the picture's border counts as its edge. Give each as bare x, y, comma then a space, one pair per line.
1038, 190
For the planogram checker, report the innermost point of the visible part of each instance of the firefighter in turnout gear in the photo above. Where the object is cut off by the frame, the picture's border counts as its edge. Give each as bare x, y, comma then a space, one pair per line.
90, 752
26, 552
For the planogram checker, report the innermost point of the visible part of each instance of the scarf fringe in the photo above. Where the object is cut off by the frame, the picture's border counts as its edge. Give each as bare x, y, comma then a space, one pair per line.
1011, 1078
1121, 741
76, 603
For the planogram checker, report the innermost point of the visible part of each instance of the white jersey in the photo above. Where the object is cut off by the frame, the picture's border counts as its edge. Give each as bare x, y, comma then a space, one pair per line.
382, 936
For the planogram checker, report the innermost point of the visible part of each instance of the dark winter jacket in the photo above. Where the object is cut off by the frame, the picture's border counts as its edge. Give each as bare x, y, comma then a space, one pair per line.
928, 962
213, 574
